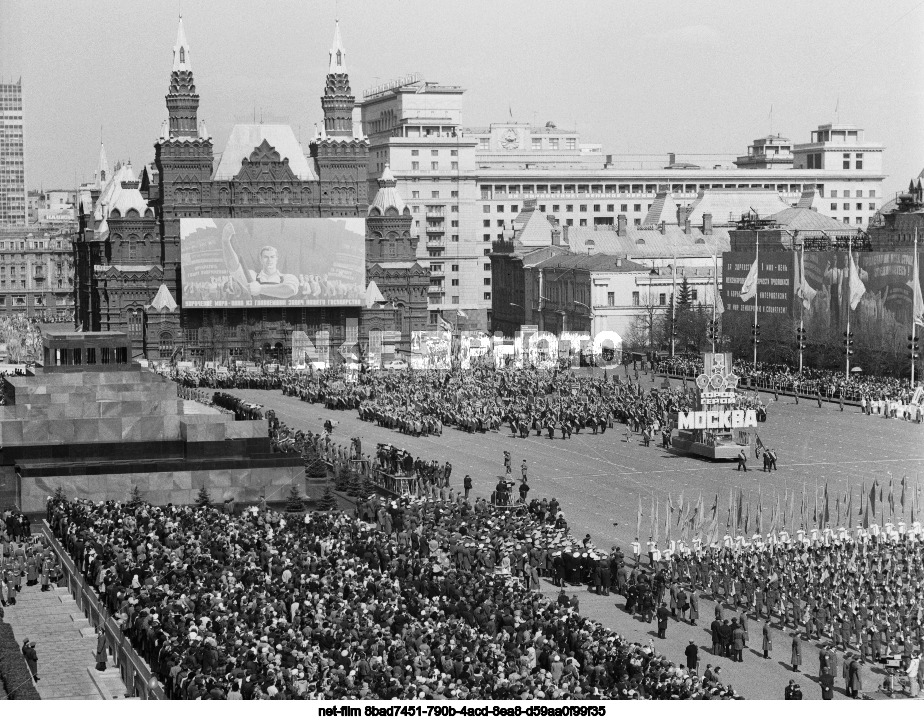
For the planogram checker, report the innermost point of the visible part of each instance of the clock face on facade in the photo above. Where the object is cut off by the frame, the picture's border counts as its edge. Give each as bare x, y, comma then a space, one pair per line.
510, 140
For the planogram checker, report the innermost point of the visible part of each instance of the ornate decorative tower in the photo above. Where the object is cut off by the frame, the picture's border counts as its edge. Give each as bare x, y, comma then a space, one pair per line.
182, 99
391, 263
183, 158
337, 101
341, 157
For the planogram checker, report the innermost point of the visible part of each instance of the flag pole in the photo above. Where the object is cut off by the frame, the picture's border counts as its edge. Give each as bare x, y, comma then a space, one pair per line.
715, 283
756, 288
849, 299
914, 294
801, 306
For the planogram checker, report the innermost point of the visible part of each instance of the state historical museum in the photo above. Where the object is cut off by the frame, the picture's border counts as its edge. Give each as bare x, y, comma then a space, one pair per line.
128, 248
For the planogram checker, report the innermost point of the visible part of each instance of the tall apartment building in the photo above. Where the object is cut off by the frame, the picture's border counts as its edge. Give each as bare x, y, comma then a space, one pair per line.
465, 186
36, 272
13, 207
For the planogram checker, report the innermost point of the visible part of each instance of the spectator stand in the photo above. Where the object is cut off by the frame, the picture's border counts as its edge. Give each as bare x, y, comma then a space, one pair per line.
395, 484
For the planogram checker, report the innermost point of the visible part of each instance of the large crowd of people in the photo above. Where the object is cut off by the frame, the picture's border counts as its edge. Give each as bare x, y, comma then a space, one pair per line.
433, 600
877, 391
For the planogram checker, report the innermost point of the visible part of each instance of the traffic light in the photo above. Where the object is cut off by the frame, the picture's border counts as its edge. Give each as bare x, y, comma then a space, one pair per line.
800, 338
755, 333
913, 347
848, 344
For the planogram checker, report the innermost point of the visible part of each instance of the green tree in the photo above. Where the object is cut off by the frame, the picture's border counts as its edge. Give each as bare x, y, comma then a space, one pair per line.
684, 296
203, 500
135, 498
59, 496
294, 503
328, 502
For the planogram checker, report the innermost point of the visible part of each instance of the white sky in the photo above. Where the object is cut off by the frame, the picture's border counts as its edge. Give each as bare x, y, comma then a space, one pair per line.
638, 77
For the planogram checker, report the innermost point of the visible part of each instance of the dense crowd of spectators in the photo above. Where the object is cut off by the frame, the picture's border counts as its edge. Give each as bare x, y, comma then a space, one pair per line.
435, 600
809, 382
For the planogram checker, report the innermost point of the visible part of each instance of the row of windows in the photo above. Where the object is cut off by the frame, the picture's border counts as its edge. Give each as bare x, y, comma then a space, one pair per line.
872, 206
434, 165
435, 153
536, 143
415, 194
569, 208
858, 194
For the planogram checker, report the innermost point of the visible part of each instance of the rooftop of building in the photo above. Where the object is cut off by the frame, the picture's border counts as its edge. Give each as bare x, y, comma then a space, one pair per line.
247, 137
597, 262
806, 219
727, 204
667, 242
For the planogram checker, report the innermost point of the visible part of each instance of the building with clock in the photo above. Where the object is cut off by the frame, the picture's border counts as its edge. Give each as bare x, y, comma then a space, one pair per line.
466, 185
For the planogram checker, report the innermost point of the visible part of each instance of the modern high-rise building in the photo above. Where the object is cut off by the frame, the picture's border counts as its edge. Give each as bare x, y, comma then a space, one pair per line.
13, 206
465, 185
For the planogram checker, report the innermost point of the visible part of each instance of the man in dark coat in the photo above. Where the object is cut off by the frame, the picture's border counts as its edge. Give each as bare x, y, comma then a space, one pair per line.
28, 650
663, 615
692, 654
717, 646
793, 691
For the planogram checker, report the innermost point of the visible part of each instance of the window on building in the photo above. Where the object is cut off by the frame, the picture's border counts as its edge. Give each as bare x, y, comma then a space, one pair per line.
454, 223
846, 221
583, 222
455, 300
846, 206
454, 153
434, 317
434, 194
415, 208
454, 208
454, 166
637, 222
487, 296
487, 281
553, 143
454, 282
833, 193
569, 208
455, 267
500, 208
500, 223
833, 206
583, 208
415, 153
872, 193
662, 299
436, 252
487, 236
569, 222
487, 251
436, 267
859, 194
486, 223
859, 161
415, 165
537, 143
611, 299
415, 194
514, 208
694, 294
635, 298
485, 208
434, 153
484, 143
555, 208
487, 267
846, 193
623, 208
859, 206
455, 238
434, 165
846, 161
637, 207
872, 206
859, 221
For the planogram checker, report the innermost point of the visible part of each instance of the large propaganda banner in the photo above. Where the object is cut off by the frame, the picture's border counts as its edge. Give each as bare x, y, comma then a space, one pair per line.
774, 282
260, 262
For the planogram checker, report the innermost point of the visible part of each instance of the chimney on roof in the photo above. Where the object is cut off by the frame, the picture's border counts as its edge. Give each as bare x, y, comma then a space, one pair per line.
683, 212
556, 235
618, 261
564, 235
707, 223
663, 228
686, 225
671, 158
621, 226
